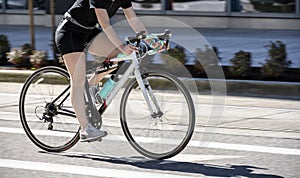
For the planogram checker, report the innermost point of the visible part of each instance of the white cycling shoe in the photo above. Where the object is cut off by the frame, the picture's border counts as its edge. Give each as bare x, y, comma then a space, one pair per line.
90, 134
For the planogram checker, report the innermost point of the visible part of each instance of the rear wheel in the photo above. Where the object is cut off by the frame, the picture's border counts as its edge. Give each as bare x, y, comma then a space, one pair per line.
46, 112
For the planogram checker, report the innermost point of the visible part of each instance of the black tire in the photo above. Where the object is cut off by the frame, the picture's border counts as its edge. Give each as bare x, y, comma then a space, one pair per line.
160, 136
51, 126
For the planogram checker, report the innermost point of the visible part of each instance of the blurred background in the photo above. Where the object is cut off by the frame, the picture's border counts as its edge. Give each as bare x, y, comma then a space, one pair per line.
242, 33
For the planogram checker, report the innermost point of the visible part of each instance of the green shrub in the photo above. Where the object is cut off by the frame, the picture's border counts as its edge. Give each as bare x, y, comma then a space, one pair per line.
38, 59
27, 49
207, 59
241, 63
17, 56
20, 56
277, 62
174, 58
178, 53
4, 48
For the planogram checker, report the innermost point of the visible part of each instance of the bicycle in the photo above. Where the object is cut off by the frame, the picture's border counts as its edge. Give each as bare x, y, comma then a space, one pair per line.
157, 113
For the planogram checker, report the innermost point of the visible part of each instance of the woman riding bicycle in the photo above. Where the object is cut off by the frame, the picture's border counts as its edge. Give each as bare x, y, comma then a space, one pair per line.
79, 27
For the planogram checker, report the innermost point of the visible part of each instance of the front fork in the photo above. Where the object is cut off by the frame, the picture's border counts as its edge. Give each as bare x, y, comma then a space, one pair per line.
146, 89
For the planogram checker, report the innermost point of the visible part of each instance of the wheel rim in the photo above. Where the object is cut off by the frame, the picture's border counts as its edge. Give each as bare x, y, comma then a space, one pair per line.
162, 135
40, 117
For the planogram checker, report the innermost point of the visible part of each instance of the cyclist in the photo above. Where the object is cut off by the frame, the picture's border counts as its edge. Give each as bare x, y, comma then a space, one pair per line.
79, 27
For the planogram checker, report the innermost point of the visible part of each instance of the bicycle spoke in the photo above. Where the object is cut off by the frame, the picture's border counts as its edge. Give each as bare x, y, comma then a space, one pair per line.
41, 118
173, 117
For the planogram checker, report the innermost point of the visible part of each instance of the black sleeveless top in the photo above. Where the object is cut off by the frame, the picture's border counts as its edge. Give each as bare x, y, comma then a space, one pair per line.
83, 10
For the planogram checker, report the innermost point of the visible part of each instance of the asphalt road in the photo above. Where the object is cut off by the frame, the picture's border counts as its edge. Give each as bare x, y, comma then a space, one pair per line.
255, 137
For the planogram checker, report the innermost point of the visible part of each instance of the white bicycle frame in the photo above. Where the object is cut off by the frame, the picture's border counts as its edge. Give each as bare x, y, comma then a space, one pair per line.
133, 69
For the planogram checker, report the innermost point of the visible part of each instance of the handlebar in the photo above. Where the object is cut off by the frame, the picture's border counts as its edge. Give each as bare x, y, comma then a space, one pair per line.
145, 48
164, 36
141, 36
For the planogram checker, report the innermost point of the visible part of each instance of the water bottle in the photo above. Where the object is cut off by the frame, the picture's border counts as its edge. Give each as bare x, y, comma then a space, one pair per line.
108, 86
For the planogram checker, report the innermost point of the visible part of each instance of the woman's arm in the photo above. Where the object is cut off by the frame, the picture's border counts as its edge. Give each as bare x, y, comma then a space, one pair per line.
103, 19
137, 25
134, 21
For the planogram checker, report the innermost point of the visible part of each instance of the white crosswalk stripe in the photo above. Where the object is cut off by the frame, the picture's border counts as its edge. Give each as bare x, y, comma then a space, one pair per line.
194, 143
81, 170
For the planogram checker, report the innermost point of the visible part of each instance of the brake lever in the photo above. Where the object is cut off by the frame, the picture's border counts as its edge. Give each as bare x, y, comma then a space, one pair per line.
139, 36
164, 36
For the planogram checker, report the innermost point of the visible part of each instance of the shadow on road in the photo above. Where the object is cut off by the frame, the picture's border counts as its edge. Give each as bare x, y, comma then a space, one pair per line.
176, 166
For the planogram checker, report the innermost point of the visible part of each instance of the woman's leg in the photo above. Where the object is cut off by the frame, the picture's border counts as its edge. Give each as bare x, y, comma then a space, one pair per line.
75, 63
102, 46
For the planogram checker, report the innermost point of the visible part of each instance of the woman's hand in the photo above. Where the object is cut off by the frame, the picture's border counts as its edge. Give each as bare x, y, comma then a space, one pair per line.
128, 49
158, 45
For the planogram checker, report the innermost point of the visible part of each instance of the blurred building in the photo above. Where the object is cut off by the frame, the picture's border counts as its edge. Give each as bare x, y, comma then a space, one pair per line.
261, 14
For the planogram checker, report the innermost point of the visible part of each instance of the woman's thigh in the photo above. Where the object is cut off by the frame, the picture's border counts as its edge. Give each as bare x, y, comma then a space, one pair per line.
76, 66
102, 46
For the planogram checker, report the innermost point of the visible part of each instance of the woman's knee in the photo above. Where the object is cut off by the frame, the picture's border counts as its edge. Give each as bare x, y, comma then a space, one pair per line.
78, 81
75, 64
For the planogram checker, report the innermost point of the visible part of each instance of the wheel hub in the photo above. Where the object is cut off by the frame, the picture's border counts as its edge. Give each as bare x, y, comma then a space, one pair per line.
51, 109
158, 114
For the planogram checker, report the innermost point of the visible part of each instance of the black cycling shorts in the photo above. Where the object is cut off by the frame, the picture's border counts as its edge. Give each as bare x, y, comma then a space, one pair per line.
72, 38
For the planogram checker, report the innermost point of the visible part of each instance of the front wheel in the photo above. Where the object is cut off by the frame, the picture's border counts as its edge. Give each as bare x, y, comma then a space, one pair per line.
167, 131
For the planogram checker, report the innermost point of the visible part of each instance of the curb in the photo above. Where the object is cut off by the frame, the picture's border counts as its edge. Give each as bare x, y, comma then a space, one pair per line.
255, 88
18, 76
288, 90
284, 90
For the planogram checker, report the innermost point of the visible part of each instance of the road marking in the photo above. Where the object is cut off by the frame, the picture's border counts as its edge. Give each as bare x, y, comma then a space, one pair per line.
199, 101
193, 143
111, 120
80, 170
